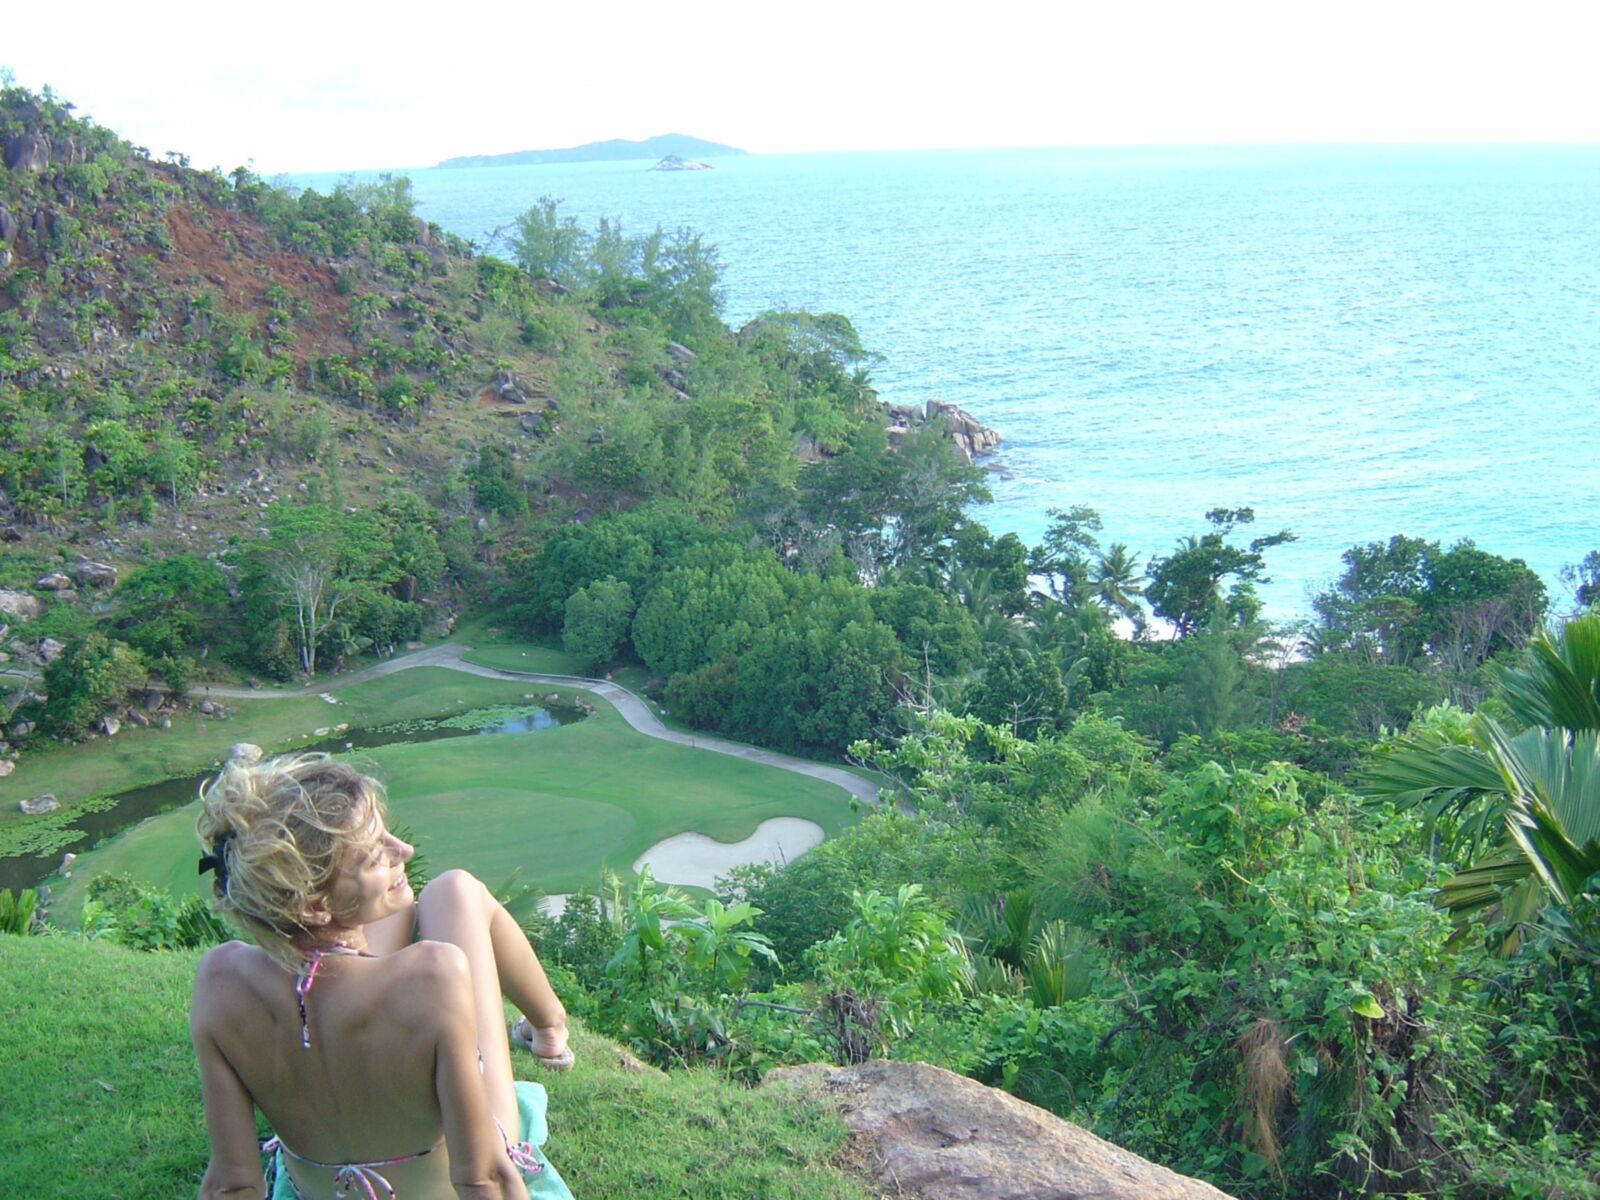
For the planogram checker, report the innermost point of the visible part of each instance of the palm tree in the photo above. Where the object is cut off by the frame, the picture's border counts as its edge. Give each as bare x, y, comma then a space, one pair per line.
975, 588
1533, 795
1117, 582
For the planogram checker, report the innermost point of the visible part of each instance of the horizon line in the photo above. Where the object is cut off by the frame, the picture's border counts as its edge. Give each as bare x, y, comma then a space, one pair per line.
1330, 143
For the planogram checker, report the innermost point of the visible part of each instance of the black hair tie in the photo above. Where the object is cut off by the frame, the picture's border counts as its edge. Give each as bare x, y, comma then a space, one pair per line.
216, 860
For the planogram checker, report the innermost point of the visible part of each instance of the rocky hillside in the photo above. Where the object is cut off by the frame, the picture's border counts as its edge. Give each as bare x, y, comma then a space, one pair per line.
178, 349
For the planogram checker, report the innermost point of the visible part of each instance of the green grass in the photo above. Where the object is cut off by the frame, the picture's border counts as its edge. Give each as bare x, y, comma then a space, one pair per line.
552, 808
494, 646
493, 649
525, 656
101, 1100
137, 756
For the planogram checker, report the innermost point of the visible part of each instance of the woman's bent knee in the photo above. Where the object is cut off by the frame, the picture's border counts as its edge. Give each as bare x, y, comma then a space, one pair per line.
454, 891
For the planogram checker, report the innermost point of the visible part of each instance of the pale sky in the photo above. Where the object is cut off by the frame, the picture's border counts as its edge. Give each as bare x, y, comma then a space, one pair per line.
340, 85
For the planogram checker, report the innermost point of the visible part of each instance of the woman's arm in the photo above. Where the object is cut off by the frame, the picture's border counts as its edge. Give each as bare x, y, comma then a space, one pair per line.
480, 1169
234, 1172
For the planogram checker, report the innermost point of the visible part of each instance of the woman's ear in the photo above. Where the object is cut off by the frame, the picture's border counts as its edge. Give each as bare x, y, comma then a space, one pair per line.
315, 914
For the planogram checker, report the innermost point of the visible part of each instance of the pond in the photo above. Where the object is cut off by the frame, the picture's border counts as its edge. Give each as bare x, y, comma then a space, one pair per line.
128, 808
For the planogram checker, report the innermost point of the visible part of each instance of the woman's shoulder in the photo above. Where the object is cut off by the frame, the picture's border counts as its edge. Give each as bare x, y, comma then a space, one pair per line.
426, 982
231, 963
228, 976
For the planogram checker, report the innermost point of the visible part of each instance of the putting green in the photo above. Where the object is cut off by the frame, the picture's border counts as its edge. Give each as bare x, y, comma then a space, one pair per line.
553, 808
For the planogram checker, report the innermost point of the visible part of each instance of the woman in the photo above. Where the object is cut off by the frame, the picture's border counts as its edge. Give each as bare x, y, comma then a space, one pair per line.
366, 1024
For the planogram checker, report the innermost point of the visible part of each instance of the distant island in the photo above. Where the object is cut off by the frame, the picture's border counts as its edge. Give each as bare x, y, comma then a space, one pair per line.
663, 146
673, 162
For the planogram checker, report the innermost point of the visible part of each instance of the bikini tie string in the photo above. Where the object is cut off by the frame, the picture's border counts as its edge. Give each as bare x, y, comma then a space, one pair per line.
523, 1156
346, 1178
302, 986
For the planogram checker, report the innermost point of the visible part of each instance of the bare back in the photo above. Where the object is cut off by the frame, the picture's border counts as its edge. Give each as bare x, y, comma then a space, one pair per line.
367, 1089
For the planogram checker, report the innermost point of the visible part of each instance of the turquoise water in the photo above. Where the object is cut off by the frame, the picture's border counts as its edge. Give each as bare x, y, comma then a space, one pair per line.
1355, 341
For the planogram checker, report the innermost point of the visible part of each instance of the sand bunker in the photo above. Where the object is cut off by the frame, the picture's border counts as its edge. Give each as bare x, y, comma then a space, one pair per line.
693, 858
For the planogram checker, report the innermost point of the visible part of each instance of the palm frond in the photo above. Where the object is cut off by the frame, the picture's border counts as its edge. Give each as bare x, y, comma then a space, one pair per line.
1559, 686
1445, 781
1557, 770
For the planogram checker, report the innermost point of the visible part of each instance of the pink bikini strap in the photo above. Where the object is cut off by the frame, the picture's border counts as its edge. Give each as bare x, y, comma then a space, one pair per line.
302, 986
523, 1156
348, 1176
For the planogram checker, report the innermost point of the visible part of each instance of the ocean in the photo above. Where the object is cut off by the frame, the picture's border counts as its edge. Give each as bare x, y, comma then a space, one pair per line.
1354, 341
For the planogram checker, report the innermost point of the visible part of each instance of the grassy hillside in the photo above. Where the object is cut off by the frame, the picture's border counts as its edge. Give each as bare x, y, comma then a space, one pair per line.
100, 1099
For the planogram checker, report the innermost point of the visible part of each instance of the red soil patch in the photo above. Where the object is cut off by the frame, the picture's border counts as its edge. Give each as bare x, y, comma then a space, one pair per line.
241, 261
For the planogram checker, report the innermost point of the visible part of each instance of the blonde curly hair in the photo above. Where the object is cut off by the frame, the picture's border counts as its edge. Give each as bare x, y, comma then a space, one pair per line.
276, 833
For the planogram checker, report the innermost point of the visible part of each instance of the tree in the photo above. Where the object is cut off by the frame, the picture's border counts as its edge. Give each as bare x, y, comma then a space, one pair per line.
597, 620
417, 561
496, 483
1374, 608
169, 608
87, 680
1065, 554
1117, 584
1187, 584
1408, 601
937, 633
173, 466
930, 490
1003, 558
549, 246
1022, 692
719, 946
1584, 579
313, 561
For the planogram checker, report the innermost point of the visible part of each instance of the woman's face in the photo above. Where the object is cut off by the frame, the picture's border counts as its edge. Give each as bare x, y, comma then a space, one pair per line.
371, 882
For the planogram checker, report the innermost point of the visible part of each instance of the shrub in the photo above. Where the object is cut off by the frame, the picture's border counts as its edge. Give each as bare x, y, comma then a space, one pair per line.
19, 911
140, 917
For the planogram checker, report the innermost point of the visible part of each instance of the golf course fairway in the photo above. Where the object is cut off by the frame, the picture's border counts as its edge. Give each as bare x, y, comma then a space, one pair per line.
552, 808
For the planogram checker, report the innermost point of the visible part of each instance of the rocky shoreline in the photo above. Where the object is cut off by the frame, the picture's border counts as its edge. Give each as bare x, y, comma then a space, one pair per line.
972, 437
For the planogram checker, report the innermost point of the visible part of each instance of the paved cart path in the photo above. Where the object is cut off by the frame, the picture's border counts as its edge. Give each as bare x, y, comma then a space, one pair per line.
634, 711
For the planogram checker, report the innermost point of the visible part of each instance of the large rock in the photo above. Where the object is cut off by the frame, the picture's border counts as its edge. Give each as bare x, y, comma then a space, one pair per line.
38, 805
8, 225
27, 151
509, 387
55, 581
20, 605
95, 574
50, 650
940, 1136
7, 765
244, 753
110, 725
971, 436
